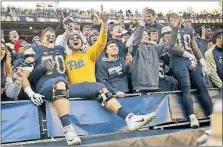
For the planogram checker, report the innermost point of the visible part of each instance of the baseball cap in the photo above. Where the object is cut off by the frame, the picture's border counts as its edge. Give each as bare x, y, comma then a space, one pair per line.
35, 39
68, 18
17, 44
165, 30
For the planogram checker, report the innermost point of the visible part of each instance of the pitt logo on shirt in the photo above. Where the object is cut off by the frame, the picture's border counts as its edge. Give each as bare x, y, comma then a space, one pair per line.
75, 64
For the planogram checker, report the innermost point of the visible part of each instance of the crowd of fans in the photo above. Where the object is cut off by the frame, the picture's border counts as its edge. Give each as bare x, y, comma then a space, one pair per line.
104, 61
128, 14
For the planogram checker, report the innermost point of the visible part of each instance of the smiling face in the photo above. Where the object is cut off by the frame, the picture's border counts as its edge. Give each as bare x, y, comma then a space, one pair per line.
13, 36
112, 49
49, 39
74, 42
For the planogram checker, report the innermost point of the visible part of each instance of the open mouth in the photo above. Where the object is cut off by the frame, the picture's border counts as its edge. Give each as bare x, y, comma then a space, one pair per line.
15, 36
51, 41
76, 43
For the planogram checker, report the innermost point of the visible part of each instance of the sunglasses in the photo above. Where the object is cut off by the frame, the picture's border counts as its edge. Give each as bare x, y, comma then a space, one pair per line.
24, 45
74, 37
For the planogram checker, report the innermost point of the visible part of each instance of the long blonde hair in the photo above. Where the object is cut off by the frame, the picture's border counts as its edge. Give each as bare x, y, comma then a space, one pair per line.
7, 67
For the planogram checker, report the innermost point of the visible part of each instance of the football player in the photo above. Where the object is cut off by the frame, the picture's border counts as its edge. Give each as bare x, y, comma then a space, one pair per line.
180, 67
49, 79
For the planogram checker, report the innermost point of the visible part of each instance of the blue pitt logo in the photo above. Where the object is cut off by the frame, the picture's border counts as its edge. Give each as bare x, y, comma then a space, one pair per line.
75, 64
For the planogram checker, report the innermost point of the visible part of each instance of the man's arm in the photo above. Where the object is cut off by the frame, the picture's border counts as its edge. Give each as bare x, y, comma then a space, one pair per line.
209, 58
83, 38
129, 41
178, 50
196, 50
12, 89
61, 40
100, 44
170, 44
102, 77
138, 33
137, 38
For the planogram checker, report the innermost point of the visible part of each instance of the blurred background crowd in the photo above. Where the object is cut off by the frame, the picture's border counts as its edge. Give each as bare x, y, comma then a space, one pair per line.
128, 14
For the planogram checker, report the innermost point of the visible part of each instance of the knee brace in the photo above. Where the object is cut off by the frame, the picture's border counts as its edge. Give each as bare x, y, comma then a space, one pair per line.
59, 93
105, 97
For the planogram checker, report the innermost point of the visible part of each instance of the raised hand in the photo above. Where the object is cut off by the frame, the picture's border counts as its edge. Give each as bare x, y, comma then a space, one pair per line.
103, 15
128, 59
174, 20
144, 12
19, 75
48, 64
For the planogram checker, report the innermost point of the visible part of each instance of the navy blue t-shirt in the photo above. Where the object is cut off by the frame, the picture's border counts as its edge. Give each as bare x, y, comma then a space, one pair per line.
57, 54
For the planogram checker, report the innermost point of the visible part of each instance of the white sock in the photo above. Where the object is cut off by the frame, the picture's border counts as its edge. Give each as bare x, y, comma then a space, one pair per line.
129, 116
192, 116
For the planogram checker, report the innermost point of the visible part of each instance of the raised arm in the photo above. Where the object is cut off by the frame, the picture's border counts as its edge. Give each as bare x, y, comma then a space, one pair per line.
100, 44
175, 23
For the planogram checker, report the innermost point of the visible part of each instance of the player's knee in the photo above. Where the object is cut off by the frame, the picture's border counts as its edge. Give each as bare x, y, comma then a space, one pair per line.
104, 97
61, 85
104, 90
60, 91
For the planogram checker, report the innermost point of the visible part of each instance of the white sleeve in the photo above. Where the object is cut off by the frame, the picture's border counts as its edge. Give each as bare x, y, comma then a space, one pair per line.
61, 41
130, 40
